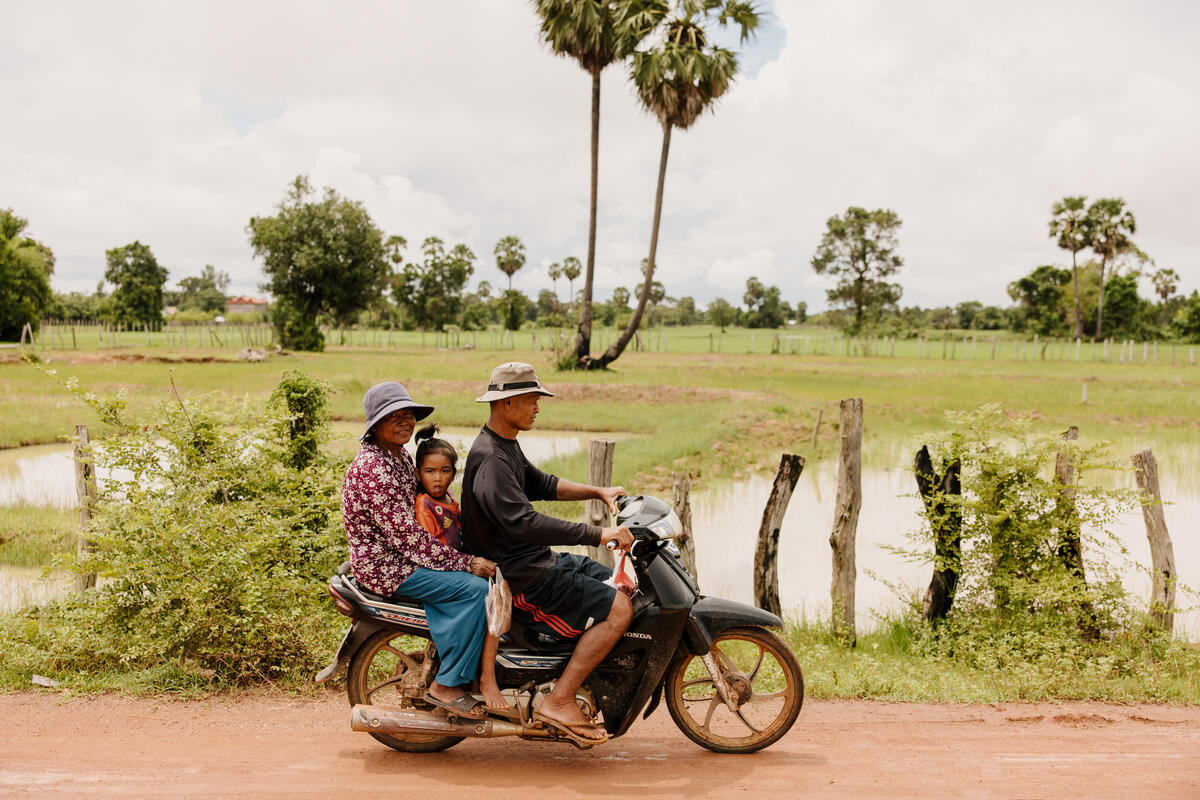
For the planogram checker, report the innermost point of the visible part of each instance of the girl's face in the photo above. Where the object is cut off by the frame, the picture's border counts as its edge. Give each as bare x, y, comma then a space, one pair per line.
436, 475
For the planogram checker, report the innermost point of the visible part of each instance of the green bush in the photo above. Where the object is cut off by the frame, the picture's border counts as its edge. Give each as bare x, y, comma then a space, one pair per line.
213, 541
1022, 591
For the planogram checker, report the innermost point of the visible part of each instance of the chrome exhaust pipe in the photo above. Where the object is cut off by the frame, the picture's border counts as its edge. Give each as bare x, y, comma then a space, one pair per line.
407, 721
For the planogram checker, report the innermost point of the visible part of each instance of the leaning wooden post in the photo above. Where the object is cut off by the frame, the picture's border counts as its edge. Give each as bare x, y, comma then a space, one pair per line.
945, 519
816, 429
600, 467
1162, 554
85, 490
845, 519
766, 555
683, 509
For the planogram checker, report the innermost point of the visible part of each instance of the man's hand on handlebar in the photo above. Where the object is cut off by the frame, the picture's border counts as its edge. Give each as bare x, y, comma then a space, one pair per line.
609, 495
616, 538
478, 565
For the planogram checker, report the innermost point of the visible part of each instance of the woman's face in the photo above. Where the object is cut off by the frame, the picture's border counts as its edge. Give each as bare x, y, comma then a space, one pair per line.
396, 428
436, 474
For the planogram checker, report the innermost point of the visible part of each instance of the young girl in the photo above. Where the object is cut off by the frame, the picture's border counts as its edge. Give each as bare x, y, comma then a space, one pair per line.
437, 512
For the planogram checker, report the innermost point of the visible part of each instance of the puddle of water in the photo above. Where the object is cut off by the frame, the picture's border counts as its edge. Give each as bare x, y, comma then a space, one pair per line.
22, 586
726, 520
43, 475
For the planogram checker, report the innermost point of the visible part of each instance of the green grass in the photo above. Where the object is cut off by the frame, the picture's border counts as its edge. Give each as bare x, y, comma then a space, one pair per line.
886, 664
30, 536
902, 393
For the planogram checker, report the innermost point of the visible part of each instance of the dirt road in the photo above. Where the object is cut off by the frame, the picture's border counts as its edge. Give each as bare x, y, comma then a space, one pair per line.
270, 746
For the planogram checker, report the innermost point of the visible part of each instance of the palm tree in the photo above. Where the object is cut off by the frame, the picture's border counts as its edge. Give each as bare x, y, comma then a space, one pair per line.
571, 267
555, 272
1069, 226
677, 80
595, 33
510, 256
1111, 226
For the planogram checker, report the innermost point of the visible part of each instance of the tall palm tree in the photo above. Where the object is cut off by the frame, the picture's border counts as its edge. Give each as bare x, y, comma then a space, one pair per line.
510, 256
1111, 227
677, 80
555, 272
571, 268
1070, 227
595, 33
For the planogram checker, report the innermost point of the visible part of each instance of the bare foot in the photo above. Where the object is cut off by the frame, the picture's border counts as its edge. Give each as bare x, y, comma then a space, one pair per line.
570, 716
491, 695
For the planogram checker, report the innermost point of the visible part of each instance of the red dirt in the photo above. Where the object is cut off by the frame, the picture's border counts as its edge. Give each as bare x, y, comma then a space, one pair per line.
262, 746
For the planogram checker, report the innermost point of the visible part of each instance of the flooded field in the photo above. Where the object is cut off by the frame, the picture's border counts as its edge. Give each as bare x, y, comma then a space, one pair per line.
726, 518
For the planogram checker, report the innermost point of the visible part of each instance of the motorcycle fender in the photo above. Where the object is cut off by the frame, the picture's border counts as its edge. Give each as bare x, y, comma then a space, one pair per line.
358, 633
712, 615
655, 699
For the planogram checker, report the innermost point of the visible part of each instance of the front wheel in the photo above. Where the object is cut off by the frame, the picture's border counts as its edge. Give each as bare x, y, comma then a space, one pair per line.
760, 675
379, 673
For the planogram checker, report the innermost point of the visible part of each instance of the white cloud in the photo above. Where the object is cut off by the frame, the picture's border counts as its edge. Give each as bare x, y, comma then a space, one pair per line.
174, 124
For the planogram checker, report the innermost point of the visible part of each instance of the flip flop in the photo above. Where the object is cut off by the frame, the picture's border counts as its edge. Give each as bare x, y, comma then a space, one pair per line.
572, 731
461, 706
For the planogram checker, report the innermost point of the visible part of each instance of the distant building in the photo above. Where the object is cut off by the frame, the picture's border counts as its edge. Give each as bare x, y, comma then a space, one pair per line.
245, 305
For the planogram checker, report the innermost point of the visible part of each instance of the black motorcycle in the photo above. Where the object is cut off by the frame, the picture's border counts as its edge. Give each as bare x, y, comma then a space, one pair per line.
731, 685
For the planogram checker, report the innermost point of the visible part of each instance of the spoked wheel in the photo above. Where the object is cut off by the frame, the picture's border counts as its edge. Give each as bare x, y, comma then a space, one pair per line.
379, 671
762, 679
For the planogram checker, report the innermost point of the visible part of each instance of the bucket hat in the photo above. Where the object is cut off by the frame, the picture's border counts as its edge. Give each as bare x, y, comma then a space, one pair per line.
510, 380
384, 398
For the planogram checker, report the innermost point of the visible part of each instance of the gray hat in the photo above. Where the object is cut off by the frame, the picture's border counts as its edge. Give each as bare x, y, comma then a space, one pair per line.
384, 398
510, 380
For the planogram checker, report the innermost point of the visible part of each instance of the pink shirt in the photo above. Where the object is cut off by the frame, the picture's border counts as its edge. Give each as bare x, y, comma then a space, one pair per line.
386, 542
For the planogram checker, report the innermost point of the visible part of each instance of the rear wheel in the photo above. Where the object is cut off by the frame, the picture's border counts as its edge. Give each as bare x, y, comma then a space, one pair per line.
760, 675
388, 664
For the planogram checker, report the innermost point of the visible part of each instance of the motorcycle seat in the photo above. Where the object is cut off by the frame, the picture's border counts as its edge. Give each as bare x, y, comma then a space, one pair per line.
394, 600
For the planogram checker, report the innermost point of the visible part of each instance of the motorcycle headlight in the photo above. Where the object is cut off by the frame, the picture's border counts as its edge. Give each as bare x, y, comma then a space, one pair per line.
668, 526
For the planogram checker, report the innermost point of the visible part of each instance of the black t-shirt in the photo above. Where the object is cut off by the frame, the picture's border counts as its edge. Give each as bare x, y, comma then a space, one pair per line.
498, 520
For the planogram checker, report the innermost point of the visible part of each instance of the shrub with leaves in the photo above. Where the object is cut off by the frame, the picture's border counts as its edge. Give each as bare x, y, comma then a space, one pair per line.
214, 533
1038, 572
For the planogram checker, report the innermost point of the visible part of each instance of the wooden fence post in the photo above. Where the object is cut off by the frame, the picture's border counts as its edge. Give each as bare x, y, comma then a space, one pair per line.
766, 554
1162, 554
845, 519
85, 491
817, 428
1070, 550
600, 466
945, 519
682, 503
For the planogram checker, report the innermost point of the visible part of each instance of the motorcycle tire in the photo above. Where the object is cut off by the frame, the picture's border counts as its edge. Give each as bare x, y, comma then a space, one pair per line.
369, 681
760, 670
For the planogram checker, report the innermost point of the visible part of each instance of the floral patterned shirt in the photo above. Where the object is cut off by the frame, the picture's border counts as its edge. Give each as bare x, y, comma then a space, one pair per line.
386, 542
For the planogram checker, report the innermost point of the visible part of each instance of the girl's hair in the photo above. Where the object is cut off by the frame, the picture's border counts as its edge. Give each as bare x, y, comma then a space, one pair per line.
428, 444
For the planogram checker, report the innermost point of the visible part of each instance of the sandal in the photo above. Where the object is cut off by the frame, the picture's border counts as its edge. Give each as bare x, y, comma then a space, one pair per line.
462, 706
572, 732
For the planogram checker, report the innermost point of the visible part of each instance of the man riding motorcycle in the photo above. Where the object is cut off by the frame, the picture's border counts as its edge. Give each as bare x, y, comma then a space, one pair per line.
557, 594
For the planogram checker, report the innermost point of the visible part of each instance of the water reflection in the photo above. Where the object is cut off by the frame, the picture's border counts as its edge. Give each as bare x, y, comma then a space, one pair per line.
43, 475
22, 586
726, 520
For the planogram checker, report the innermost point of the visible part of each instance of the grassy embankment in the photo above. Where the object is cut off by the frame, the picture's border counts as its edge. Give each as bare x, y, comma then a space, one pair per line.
717, 415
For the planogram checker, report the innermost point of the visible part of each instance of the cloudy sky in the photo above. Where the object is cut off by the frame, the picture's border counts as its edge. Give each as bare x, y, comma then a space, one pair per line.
174, 123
